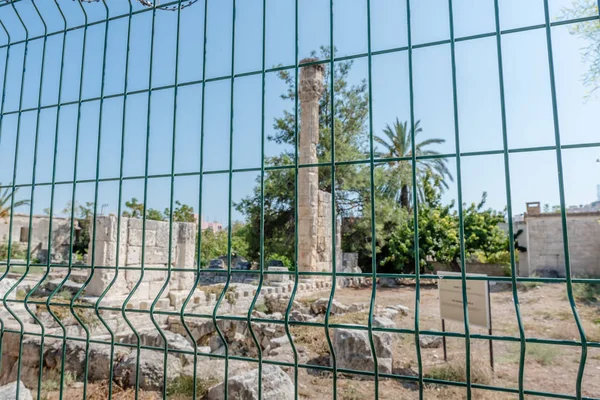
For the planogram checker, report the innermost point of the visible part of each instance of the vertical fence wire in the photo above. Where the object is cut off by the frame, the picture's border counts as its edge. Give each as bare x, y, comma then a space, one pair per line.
32, 202
296, 169
119, 210
509, 212
415, 203
6, 59
372, 196
333, 213
200, 191
12, 199
53, 187
229, 205
461, 222
563, 209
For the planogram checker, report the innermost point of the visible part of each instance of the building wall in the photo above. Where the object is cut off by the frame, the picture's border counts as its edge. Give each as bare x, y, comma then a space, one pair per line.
545, 244
40, 225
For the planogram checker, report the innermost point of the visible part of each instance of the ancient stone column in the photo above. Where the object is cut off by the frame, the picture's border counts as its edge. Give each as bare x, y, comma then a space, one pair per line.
310, 91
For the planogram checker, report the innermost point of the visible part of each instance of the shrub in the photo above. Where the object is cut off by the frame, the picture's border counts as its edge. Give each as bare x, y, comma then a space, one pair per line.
588, 292
183, 386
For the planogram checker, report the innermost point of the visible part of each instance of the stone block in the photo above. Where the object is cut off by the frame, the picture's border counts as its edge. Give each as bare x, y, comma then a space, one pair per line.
155, 287
157, 255
134, 255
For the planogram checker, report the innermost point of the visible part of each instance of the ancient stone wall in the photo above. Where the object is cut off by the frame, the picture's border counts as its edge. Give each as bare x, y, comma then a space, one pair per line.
40, 228
157, 256
545, 244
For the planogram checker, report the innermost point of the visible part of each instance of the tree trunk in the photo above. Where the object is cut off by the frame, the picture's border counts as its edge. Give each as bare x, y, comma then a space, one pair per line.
404, 197
455, 266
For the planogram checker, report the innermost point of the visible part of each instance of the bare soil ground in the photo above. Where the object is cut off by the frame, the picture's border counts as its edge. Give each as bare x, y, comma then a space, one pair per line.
545, 312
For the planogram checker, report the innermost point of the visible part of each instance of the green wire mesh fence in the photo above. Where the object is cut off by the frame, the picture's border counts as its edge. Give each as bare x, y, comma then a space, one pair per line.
96, 95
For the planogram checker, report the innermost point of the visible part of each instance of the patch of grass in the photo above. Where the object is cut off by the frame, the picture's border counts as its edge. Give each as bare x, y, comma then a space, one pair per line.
51, 381
183, 387
350, 392
356, 318
261, 308
527, 286
455, 371
20, 295
587, 292
61, 308
217, 289
543, 354
307, 301
311, 337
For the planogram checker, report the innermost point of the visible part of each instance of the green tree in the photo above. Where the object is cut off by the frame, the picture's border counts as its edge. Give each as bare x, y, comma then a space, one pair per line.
155, 215
136, 210
214, 244
590, 32
397, 143
181, 213
6, 199
439, 238
351, 134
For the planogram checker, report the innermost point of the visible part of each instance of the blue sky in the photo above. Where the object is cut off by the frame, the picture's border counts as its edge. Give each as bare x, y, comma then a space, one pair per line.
527, 91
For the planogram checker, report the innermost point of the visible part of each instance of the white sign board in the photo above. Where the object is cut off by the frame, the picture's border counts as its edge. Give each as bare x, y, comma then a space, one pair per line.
451, 299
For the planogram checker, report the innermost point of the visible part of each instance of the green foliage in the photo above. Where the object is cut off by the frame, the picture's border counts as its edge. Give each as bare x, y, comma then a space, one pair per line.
589, 31
183, 387
352, 181
214, 244
155, 215
17, 251
181, 213
6, 198
439, 238
456, 371
289, 264
135, 209
587, 292
397, 143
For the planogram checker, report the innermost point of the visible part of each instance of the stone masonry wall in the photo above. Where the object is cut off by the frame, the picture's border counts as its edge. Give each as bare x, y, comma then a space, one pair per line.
130, 255
40, 224
545, 244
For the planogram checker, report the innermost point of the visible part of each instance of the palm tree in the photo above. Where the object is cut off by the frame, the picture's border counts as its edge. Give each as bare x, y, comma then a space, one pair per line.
398, 144
5, 202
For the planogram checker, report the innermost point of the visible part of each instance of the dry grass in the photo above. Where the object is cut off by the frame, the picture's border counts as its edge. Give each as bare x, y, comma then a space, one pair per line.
455, 370
183, 387
99, 391
217, 290
313, 338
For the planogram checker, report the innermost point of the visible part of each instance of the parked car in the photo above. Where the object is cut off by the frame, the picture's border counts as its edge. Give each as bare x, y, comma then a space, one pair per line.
244, 265
275, 263
216, 263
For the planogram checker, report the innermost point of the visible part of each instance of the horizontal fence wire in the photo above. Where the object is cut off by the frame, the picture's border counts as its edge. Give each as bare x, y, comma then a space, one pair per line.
21, 270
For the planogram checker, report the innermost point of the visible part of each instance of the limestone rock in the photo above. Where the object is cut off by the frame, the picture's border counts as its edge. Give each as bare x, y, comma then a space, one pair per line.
383, 322
5, 285
320, 307
151, 369
10, 391
353, 350
430, 341
276, 385
388, 282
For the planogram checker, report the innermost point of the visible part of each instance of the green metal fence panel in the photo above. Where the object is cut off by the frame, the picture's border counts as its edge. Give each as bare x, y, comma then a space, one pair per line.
37, 32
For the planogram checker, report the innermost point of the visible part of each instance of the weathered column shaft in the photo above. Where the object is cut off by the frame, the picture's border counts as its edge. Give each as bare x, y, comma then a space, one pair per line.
311, 90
